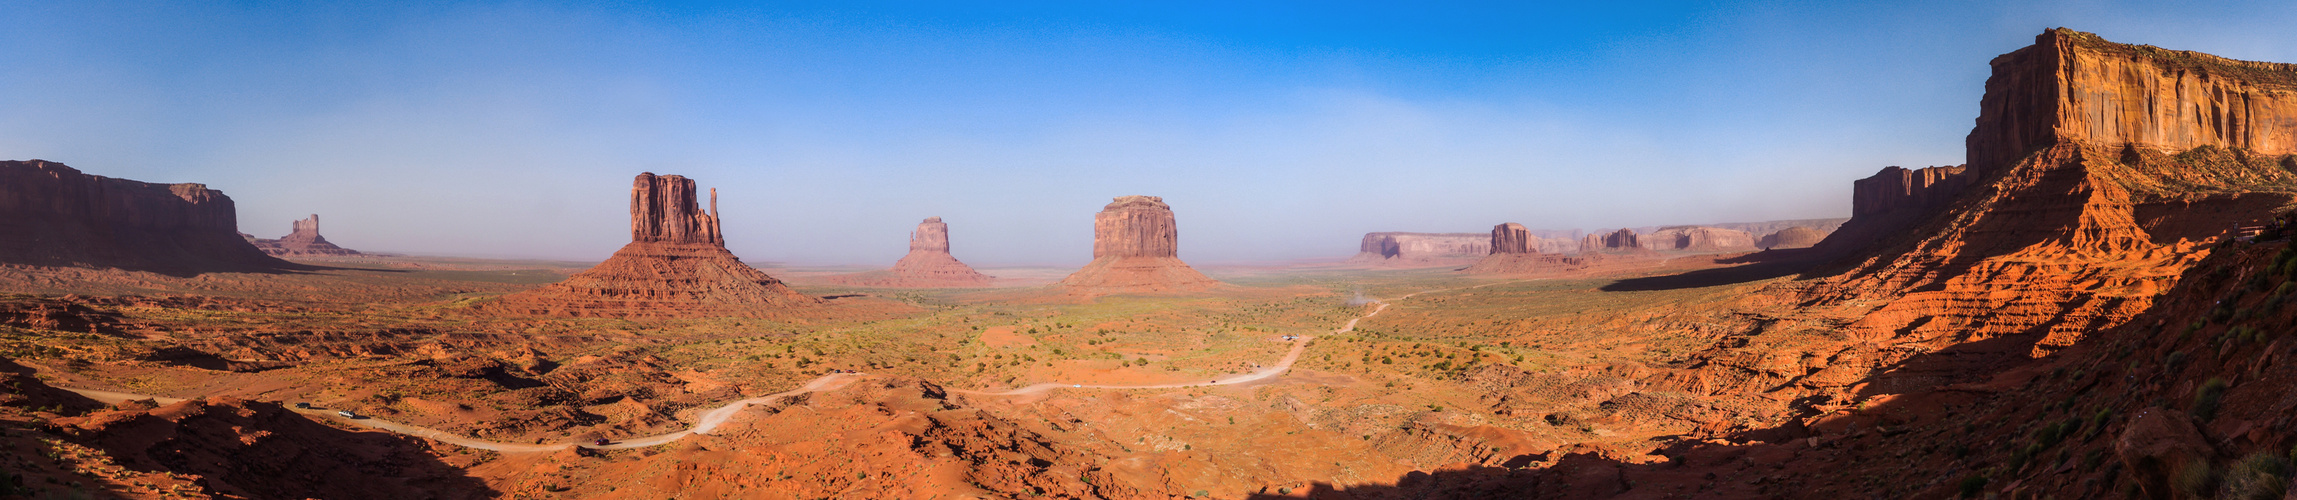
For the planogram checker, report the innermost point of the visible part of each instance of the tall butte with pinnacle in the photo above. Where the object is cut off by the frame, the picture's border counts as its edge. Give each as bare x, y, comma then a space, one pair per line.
1136, 249
928, 264
676, 265
303, 240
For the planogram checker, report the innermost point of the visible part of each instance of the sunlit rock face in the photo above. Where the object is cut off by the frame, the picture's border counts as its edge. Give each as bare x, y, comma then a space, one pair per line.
1136, 249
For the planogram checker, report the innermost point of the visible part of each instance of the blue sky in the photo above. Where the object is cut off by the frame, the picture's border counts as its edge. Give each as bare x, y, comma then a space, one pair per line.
1276, 130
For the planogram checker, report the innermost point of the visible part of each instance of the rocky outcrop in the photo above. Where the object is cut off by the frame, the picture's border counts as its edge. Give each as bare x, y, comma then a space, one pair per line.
1793, 237
928, 264
676, 265
53, 215
1136, 249
2074, 87
1700, 239
304, 240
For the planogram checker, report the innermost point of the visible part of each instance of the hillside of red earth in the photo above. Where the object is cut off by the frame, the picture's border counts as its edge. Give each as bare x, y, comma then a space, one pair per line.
2096, 305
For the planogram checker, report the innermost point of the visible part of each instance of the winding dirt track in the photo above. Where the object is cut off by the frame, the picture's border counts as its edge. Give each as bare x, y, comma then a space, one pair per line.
710, 420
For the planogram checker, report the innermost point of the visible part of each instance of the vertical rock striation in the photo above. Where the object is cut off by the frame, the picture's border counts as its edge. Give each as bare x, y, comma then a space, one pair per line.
676, 265
1512, 238
53, 215
1136, 249
928, 264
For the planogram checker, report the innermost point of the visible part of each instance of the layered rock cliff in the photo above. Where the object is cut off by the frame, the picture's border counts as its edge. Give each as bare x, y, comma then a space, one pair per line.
53, 215
2074, 87
2099, 174
304, 239
676, 265
928, 264
1136, 249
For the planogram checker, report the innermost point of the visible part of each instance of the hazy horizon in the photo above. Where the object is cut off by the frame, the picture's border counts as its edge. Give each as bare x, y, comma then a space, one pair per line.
1276, 133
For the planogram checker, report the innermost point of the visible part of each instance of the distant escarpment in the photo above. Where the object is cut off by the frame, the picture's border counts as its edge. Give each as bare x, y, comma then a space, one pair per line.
1136, 248
1400, 249
303, 240
1620, 241
53, 215
1514, 250
676, 265
1793, 237
928, 264
2098, 174
1700, 239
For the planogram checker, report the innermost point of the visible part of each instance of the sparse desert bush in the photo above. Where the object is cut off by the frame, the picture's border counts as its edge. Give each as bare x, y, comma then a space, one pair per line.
2260, 476
1972, 485
2207, 398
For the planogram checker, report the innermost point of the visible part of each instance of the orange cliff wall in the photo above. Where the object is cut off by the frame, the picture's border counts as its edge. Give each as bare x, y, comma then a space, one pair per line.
2078, 87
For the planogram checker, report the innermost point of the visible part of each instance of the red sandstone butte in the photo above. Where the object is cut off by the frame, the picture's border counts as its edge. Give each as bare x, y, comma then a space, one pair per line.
1792, 237
53, 215
928, 265
303, 240
676, 265
1136, 249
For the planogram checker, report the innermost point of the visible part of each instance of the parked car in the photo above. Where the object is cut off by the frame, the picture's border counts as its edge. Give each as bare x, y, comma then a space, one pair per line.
302, 406
347, 414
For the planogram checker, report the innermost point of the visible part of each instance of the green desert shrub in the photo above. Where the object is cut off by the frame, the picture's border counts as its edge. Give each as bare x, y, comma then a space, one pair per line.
2260, 476
1972, 485
2208, 397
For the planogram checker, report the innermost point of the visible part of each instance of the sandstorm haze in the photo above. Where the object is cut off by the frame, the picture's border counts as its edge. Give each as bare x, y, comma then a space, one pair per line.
1275, 132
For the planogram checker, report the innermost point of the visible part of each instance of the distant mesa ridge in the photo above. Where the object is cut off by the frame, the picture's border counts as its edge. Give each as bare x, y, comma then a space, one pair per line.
1514, 250
303, 240
676, 265
1136, 248
54, 215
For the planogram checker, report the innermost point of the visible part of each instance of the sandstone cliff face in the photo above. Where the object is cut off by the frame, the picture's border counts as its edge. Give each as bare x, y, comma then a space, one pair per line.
2071, 222
1404, 249
1897, 189
663, 209
1512, 238
1136, 249
2075, 87
303, 240
928, 264
53, 215
676, 265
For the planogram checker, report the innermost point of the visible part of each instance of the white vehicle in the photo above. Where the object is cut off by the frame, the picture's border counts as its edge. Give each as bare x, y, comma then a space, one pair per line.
347, 414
